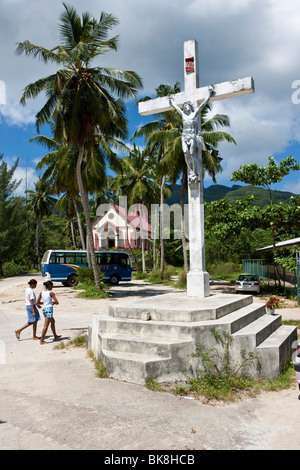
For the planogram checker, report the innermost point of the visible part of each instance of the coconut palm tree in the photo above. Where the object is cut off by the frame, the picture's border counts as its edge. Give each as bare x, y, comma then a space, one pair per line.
41, 203
85, 101
137, 182
60, 172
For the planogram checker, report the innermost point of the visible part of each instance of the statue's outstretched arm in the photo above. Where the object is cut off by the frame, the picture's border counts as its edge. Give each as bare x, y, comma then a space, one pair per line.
174, 105
211, 89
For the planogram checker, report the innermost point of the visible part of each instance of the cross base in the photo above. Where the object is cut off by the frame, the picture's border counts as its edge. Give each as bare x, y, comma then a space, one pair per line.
198, 284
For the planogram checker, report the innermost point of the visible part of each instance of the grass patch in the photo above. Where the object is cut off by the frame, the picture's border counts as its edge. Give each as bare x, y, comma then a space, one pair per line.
87, 284
77, 342
99, 366
233, 387
219, 380
292, 323
225, 271
153, 385
90, 291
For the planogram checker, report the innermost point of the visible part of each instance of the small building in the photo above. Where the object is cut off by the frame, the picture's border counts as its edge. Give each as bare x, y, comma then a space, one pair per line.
111, 225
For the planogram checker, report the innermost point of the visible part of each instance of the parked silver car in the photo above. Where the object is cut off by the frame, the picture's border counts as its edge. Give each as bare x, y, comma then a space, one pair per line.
248, 283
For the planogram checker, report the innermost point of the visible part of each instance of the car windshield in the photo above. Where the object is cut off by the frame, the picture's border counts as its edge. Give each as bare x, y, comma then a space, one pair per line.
247, 277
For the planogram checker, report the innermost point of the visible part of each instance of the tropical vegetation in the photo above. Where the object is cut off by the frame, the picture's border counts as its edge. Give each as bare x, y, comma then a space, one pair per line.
86, 162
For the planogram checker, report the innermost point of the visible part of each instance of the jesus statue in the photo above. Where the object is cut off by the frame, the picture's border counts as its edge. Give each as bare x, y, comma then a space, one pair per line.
191, 136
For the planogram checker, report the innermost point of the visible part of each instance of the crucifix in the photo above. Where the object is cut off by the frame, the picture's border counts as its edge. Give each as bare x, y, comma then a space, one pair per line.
189, 105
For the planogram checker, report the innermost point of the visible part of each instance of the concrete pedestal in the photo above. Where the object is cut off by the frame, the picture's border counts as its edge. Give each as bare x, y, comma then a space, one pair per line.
156, 337
198, 284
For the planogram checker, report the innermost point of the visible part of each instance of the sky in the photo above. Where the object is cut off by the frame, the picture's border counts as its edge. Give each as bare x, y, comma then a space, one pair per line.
236, 39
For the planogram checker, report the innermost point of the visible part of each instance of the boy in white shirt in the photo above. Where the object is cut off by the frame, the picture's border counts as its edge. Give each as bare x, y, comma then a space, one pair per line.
31, 308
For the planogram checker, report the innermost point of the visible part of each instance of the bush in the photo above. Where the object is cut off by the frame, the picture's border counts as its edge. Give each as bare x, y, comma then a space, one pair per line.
86, 275
182, 275
226, 271
10, 269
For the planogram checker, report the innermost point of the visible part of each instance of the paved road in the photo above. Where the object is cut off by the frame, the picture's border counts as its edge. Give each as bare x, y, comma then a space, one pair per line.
50, 399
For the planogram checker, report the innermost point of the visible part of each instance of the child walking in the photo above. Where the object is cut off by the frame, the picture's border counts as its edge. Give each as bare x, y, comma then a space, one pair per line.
48, 298
32, 311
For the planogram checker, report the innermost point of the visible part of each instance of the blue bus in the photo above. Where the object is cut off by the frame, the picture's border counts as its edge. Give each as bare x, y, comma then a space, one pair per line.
62, 265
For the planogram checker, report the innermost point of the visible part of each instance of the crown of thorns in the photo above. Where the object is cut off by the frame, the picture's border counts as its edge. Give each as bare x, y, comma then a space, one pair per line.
190, 104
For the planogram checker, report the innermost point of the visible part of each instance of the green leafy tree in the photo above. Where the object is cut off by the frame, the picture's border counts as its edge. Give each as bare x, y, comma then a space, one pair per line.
265, 177
232, 230
84, 101
11, 214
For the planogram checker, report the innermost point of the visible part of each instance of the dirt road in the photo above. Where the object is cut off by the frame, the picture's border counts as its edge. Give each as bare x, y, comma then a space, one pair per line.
50, 399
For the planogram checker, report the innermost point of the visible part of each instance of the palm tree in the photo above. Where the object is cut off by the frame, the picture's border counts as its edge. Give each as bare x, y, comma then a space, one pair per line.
60, 171
166, 131
137, 182
84, 101
41, 204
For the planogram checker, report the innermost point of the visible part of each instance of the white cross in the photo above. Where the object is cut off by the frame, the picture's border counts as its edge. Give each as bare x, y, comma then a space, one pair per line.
197, 278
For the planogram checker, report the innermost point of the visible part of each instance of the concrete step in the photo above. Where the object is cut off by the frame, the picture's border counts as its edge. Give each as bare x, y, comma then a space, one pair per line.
252, 335
134, 349
239, 319
157, 347
275, 351
137, 368
178, 308
152, 329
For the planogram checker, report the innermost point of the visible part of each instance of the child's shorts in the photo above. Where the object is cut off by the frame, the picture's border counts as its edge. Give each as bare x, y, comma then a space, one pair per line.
48, 312
31, 318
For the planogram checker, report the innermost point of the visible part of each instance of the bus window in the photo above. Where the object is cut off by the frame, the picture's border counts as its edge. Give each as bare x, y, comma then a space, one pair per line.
70, 258
52, 259
60, 258
45, 257
77, 258
101, 259
121, 259
109, 258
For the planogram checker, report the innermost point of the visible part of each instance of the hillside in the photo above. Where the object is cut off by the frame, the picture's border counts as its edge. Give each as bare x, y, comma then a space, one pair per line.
216, 192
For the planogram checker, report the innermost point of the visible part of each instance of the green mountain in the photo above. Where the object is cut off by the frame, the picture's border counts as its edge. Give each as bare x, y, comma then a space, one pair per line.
216, 192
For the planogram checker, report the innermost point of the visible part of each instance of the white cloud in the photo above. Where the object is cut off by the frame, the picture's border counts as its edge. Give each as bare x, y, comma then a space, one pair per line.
236, 39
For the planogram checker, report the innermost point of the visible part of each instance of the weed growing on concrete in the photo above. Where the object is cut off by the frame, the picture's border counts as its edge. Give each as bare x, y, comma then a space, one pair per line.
153, 385
99, 366
79, 341
218, 378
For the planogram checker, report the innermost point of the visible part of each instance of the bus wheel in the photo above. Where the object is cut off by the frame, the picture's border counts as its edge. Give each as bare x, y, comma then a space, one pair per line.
72, 281
114, 279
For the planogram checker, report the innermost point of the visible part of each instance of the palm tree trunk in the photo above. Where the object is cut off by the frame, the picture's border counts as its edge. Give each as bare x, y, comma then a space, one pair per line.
142, 241
154, 238
37, 236
79, 223
72, 233
129, 246
183, 238
86, 210
162, 247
